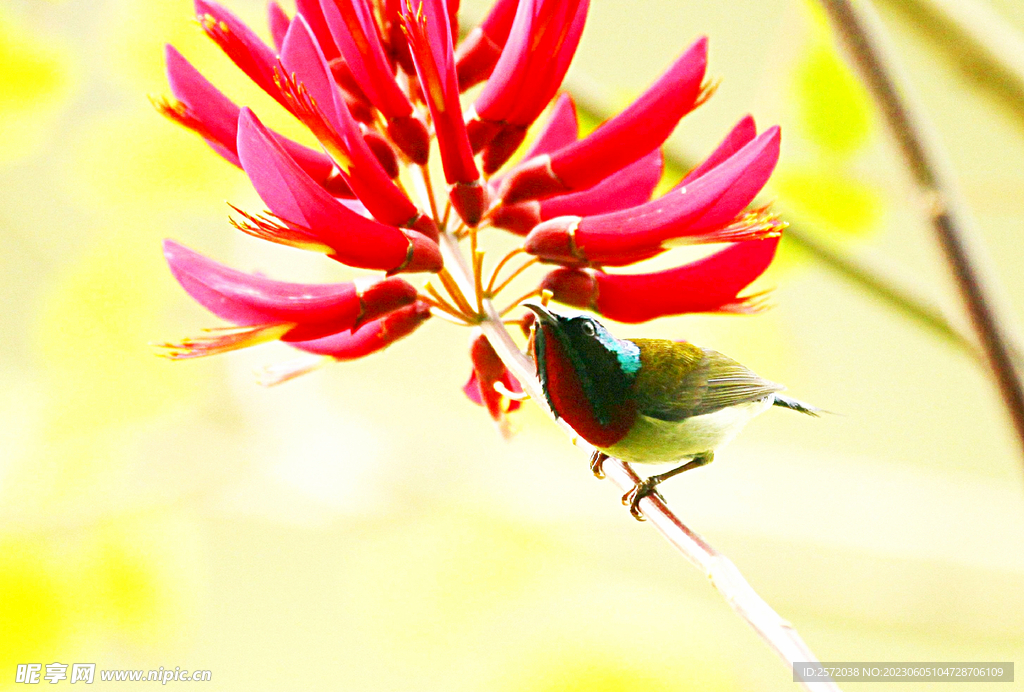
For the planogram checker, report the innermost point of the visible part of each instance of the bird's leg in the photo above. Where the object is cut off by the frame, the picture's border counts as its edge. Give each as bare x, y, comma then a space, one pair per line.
597, 463
650, 485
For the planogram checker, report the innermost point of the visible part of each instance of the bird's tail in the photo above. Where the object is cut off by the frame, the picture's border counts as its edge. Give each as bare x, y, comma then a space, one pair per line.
786, 402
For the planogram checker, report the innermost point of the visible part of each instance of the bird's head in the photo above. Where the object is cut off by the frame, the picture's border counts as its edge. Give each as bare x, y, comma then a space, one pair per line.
578, 357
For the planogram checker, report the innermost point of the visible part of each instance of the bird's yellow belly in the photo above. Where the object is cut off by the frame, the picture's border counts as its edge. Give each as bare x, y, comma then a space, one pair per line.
654, 441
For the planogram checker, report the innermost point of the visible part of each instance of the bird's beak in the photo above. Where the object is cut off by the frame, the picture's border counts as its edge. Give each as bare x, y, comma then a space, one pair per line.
543, 314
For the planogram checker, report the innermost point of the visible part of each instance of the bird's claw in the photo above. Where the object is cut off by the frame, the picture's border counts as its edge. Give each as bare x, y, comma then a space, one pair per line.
597, 463
648, 486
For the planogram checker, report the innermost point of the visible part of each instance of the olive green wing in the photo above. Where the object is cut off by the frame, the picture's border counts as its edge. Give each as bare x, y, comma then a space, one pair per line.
678, 381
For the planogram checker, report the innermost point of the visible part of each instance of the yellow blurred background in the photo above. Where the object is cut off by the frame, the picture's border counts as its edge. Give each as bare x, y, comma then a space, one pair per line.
364, 527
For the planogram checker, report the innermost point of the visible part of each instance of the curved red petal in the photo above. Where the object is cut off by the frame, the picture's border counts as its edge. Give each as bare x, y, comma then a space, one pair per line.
218, 117
479, 51
241, 44
314, 16
634, 132
296, 199
363, 172
700, 211
427, 27
541, 42
370, 337
278, 21
561, 129
248, 299
354, 30
626, 188
711, 284
744, 131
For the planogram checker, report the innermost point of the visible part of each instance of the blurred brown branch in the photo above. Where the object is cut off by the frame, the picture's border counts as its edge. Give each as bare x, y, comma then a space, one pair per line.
969, 34
864, 38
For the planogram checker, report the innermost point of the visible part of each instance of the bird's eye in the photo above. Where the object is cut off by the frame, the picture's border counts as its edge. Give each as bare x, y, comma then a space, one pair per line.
588, 329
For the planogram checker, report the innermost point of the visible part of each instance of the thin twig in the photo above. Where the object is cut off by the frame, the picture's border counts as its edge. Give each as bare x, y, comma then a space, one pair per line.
434, 300
889, 289
985, 47
512, 277
457, 292
864, 37
515, 303
724, 576
501, 263
425, 172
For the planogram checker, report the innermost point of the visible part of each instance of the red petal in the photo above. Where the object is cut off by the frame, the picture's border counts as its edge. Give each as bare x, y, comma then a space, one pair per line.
247, 299
562, 45
561, 129
241, 44
700, 212
472, 389
479, 52
711, 284
310, 10
427, 26
744, 131
295, 198
628, 187
540, 45
354, 30
278, 20
634, 132
488, 369
370, 337
217, 117
363, 172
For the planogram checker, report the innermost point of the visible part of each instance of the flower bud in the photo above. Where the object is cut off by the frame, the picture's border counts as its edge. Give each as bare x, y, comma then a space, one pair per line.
469, 200
488, 369
411, 136
381, 149
276, 309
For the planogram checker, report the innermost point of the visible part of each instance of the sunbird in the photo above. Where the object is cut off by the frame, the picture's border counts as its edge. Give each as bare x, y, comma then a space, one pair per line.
646, 401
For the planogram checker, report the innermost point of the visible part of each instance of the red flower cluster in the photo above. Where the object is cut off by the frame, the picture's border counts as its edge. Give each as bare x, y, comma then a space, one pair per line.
382, 87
